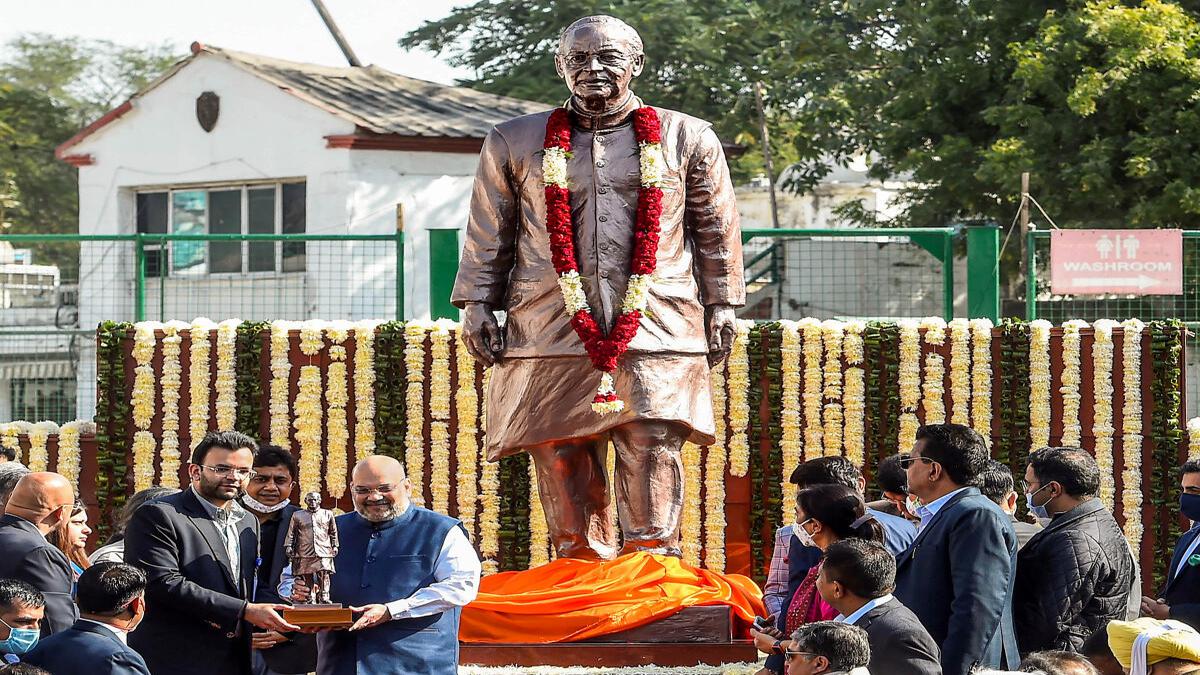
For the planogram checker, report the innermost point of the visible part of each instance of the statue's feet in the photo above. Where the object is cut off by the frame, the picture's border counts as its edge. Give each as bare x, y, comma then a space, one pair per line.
655, 547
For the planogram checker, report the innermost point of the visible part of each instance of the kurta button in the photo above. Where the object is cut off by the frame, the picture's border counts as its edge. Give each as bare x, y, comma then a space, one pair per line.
604, 274
603, 219
374, 535
603, 247
601, 163
603, 190
371, 559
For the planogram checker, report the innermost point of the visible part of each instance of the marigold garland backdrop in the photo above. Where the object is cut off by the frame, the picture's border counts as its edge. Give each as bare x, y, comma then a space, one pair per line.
334, 391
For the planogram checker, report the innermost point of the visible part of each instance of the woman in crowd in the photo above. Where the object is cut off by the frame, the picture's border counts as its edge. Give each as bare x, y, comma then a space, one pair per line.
71, 538
113, 550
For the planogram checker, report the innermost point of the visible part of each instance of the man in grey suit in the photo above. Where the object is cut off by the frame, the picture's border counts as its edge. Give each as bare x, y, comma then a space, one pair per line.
957, 577
857, 580
997, 484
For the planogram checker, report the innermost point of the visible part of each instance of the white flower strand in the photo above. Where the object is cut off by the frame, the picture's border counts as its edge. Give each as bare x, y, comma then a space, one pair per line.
226, 384
143, 402
1131, 430
199, 378
960, 371
466, 444
414, 437
172, 381
1039, 384
39, 451
909, 376
364, 389
739, 403
981, 378
279, 407
1072, 349
791, 443
814, 386
714, 481
832, 336
439, 413
337, 395
854, 396
1102, 406
68, 464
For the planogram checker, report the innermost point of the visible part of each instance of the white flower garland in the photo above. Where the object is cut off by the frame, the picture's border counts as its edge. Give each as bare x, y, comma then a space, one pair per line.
68, 452
10, 437
689, 525
1039, 383
143, 400
172, 382
309, 412
466, 444
199, 378
489, 496
933, 401
364, 389
226, 374
1102, 406
814, 385
960, 371
312, 337
143, 460
832, 335
714, 482
1193, 429
854, 396
539, 532
791, 443
739, 402
439, 413
414, 437
39, 452
610, 471
981, 378
1131, 430
1072, 350
279, 406
337, 395
909, 376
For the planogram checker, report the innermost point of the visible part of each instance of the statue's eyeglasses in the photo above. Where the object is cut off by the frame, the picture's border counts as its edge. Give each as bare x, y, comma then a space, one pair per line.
606, 58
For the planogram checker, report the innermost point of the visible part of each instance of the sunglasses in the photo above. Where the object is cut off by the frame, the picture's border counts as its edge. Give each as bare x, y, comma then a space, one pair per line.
907, 460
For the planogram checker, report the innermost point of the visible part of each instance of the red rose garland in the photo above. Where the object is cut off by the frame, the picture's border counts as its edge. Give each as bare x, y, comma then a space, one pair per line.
604, 350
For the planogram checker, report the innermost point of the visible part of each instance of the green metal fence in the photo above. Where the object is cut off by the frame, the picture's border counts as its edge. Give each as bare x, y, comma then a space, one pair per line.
1040, 303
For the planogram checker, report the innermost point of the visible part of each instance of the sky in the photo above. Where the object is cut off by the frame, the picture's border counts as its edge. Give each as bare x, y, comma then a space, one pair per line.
287, 29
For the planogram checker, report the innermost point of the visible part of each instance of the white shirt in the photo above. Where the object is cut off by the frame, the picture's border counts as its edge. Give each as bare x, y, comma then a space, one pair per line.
928, 511
117, 632
456, 575
858, 614
1187, 554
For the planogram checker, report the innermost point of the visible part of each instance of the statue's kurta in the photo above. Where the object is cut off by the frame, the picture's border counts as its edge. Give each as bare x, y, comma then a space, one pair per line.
543, 384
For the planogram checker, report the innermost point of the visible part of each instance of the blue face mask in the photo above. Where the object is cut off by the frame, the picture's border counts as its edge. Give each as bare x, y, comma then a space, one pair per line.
1189, 506
1037, 511
20, 640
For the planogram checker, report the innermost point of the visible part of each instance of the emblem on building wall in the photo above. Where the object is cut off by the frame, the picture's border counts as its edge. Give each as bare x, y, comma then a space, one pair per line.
208, 108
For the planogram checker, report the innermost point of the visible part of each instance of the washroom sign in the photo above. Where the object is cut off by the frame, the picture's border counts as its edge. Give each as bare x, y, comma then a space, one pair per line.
1129, 262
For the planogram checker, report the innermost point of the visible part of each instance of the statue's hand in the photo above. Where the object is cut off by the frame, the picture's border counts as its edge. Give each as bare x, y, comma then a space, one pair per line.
722, 327
482, 333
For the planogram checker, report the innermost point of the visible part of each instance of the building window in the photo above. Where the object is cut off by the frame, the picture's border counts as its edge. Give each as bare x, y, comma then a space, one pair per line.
43, 399
271, 208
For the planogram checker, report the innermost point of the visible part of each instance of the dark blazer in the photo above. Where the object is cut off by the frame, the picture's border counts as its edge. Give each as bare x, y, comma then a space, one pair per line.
1182, 591
87, 648
25, 555
899, 643
1025, 531
299, 653
194, 605
958, 579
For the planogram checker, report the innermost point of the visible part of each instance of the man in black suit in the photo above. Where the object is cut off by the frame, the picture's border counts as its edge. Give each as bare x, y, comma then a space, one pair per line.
1180, 598
957, 577
198, 549
857, 580
997, 484
112, 602
268, 498
39, 503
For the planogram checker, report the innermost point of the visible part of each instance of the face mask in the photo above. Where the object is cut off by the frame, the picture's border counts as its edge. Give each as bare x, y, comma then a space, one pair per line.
1189, 506
255, 505
803, 535
20, 640
1039, 512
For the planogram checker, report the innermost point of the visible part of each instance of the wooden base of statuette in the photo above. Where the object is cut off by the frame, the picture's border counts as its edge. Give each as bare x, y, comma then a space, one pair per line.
319, 616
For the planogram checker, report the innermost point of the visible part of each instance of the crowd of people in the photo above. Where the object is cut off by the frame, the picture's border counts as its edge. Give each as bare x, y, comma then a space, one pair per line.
197, 581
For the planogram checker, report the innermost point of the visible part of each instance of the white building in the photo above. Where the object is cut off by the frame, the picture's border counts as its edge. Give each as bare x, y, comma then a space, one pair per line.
235, 143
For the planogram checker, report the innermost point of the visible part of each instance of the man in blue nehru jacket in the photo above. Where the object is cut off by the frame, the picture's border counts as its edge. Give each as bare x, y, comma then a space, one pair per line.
406, 571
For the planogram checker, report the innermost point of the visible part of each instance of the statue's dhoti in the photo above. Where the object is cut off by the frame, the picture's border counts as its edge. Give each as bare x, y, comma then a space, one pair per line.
543, 406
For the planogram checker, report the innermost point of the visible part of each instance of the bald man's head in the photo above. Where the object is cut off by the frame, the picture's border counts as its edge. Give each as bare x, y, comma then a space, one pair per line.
379, 488
43, 498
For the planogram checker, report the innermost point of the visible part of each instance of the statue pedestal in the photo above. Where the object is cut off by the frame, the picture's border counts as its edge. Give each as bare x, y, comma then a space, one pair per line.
319, 616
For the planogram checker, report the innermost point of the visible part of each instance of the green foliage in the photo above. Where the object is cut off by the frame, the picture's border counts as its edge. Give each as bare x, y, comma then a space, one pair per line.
249, 373
113, 411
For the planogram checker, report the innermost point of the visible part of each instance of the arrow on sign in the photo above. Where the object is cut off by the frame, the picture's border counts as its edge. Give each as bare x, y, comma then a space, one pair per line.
1141, 281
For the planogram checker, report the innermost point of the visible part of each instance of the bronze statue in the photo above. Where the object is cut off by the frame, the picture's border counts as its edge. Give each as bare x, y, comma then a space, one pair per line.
311, 545
676, 318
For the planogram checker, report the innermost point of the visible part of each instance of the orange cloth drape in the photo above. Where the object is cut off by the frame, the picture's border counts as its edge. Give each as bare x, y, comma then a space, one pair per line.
570, 600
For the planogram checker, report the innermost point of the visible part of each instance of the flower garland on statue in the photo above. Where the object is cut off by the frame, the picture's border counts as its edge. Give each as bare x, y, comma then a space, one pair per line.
414, 437
364, 389
855, 394
309, 410
714, 482
226, 374
439, 413
39, 438
1131, 430
539, 532
279, 406
337, 395
466, 444
1193, 430
790, 440
933, 401
909, 376
172, 381
142, 401
1072, 349
199, 378
489, 496
1039, 383
832, 336
604, 350
68, 452
689, 522
814, 384
739, 404
960, 371
981, 378
1102, 406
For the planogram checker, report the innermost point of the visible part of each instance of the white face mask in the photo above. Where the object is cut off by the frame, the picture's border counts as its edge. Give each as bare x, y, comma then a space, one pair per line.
258, 507
803, 535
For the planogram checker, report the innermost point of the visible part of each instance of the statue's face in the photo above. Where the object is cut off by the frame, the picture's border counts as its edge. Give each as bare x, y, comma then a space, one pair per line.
313, 501
598, 62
